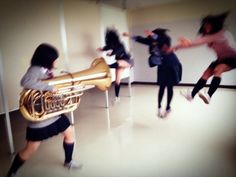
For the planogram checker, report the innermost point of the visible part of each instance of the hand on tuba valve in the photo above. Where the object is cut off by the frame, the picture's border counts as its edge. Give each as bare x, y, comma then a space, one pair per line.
38, 105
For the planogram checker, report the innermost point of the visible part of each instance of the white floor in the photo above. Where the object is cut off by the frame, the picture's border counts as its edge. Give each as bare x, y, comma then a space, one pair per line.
128, 140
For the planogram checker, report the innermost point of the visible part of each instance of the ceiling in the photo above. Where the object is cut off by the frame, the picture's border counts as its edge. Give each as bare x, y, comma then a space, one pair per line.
132, 4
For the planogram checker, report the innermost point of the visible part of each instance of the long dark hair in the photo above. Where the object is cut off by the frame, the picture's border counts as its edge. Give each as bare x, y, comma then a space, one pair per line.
112, 38
217, 22
44, 55
162, 38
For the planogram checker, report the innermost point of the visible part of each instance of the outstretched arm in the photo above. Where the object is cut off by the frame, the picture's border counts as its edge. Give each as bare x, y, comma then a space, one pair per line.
142, 40
183, 43
186, 43
136, 38
105, 48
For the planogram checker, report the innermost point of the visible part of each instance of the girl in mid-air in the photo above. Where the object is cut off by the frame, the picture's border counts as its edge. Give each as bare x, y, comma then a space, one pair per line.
216, 37
123, 60
169, 70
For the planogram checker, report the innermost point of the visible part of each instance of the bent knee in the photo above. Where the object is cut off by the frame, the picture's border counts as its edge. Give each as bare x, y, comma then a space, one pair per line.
69, 134
206, 76
217, 72
29, 149
123, 64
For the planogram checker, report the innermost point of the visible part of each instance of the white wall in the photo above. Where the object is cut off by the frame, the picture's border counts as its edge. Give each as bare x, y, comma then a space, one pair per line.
82, 21
26, 24
194, 60
182, 18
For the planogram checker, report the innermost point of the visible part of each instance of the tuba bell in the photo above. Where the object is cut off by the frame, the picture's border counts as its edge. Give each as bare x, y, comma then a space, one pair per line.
38, 105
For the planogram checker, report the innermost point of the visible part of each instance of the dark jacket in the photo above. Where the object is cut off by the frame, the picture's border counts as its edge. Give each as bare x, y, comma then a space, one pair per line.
170, 71
150, 41
119, 51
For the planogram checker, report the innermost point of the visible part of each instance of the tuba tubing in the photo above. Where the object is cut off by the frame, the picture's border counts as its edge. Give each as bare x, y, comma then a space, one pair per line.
98, 70
36, 105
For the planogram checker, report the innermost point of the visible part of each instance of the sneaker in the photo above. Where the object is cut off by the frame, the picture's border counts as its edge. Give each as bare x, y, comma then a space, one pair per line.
205, 97
159, 113
116, 100
167, 112
73, 165
187, 95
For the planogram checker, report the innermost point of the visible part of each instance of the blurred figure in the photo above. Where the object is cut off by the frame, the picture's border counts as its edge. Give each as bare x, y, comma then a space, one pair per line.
123, 58
169, 71
216, 37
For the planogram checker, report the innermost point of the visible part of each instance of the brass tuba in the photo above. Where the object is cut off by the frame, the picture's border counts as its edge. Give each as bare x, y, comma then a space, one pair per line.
38, 105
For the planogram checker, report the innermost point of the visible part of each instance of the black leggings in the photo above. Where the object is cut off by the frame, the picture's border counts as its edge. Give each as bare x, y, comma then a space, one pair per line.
169, 95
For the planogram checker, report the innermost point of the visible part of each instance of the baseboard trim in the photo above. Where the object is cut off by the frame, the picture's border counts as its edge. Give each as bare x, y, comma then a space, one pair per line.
14, 111
146, 83
181, 84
